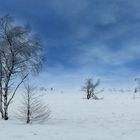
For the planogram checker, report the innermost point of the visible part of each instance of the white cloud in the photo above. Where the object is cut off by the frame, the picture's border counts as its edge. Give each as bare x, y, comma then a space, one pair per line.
102, 54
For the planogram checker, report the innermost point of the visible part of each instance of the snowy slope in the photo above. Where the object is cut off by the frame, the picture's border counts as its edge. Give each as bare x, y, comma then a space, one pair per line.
117, 117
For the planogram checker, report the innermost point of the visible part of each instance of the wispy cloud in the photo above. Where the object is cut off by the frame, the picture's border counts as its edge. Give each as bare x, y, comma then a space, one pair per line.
103, 54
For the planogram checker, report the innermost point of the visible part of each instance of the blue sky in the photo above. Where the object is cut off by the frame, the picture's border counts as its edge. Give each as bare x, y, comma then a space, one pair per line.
83, 38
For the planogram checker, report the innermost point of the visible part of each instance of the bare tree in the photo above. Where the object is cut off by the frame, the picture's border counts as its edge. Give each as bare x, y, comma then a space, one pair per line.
137, 88
20, 55
90, 88
32, 108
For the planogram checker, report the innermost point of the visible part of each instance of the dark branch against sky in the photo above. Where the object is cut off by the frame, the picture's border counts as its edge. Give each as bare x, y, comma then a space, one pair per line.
83, 38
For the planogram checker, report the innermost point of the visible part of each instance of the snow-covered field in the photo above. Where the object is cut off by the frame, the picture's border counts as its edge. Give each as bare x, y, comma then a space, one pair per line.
117, 117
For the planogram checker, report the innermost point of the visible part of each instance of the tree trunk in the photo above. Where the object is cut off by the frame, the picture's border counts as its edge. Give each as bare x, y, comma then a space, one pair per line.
28, 117
1, 107
88, 96
1, 73
28, 106
5, 108
6, 113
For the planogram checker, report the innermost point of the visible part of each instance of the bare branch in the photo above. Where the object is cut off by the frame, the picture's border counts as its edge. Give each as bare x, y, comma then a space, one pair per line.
17, 88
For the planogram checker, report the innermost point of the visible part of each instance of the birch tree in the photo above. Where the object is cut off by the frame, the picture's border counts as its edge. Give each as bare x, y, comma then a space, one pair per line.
20, 55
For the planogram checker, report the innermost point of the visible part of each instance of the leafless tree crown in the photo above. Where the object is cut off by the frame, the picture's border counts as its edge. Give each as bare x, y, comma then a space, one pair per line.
20, 55
90, 88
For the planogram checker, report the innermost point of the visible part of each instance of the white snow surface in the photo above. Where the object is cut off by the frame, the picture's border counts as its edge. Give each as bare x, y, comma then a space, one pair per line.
116, 117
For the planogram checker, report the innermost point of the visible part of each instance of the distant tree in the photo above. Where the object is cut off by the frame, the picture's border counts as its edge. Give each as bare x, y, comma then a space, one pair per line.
32, 108
43, 89
90, 88
20, 55
137, 88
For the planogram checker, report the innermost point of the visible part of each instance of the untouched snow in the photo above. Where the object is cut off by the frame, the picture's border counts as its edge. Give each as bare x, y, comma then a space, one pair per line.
117, 117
